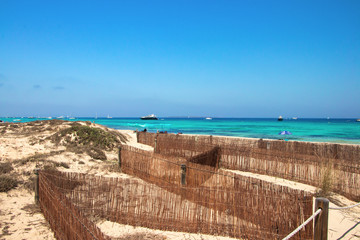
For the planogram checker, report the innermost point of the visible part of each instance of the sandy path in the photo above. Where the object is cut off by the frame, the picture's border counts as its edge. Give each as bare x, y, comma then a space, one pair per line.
20, 218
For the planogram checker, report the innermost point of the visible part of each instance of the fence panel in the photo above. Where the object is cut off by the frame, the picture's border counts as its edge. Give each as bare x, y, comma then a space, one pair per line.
300, 161
248, 207
64, 217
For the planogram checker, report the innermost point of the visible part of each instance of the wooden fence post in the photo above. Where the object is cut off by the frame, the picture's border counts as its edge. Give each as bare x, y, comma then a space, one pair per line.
120, 158
155, 145
321, 220
183, 174
36, 171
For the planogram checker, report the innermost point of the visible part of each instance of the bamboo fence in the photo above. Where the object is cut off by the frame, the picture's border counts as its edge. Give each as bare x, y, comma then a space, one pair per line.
65, 219
255, 209
305, 162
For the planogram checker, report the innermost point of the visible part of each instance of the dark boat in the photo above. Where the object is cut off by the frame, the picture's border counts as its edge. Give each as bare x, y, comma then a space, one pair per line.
280, 118
149, 117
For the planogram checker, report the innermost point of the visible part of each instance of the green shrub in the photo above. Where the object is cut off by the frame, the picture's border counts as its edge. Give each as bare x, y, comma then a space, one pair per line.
85, 135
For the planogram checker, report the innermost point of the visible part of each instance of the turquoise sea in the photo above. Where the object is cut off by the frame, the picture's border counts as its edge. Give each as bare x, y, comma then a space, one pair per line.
314, 130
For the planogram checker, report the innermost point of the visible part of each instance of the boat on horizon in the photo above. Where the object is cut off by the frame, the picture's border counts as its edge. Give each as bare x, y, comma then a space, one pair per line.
358, 120
149, 117
208, 118
280, 118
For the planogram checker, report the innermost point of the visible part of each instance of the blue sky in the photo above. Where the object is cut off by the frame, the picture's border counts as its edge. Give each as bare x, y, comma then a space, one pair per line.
180, 58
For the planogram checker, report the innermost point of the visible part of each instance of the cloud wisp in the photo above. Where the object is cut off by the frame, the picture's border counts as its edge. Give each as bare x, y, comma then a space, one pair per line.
58, 88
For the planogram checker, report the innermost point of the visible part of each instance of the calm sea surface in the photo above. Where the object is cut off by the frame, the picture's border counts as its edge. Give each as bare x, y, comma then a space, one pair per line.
315, 130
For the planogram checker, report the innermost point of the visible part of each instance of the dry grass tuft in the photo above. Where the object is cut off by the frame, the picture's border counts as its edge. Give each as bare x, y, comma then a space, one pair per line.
141, 236
5, 167
7, 183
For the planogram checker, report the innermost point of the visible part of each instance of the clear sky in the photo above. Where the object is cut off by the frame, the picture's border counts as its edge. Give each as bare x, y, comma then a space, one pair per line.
180, 58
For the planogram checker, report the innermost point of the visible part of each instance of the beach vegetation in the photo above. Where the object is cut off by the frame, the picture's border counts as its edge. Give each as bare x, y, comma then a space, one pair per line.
30, 183
326, 182
96, 153
143, 235
7, 183
52, 165
87, 136
5, 167
38, 157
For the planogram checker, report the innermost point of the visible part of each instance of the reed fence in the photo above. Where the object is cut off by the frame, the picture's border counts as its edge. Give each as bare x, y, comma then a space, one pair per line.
222, 203
305, 162
66, 220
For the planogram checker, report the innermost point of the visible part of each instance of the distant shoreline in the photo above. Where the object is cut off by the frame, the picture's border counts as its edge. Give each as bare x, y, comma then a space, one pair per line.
339, 131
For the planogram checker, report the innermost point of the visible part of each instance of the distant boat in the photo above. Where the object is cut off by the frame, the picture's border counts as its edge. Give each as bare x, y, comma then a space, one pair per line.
294, 118
358, 120
208, 118
109, 116
61, 117
149, 117
17, 120
280, 118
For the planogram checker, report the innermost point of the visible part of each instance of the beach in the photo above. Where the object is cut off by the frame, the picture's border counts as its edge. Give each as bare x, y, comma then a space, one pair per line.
27, 146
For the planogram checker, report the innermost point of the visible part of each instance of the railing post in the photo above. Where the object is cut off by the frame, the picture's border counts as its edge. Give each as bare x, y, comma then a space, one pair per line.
183, 174
321, 220
36, 171
120, 158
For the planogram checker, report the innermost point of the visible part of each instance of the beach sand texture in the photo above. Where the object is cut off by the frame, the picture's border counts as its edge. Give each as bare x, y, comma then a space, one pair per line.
29, 145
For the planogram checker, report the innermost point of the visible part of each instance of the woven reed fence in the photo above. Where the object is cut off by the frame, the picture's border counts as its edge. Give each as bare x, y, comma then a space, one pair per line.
65, 219
224, 203
305, 162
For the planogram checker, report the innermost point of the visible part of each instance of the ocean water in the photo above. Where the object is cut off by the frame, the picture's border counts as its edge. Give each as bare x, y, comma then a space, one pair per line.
314, 130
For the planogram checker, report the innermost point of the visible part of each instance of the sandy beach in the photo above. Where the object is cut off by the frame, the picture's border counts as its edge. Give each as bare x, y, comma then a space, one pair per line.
26, 146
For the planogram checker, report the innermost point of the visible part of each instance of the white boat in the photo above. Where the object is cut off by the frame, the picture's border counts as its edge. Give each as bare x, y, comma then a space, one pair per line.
149, 117
280, 118
109, 116
208, 118
358, 120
